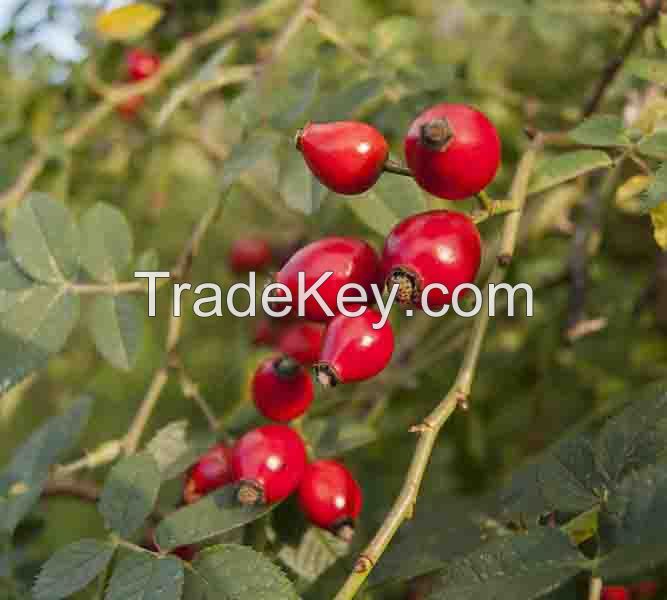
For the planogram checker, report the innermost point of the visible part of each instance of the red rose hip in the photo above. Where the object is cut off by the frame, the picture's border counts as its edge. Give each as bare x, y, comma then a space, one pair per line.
615, 592
346, 156
302, 341
348, 259
281, 389
353, 350
453, 151
141, 64
129, 108
330, 497
268, 462
249, 254
212, 471
440, 247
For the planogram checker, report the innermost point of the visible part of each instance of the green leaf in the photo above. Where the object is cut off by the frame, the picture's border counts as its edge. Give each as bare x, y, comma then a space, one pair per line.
505, 8
347, 103
657, 191
44, 239
245, 155
13, 282
213, 515
148, 260
106, 242
231, 571
144, 576
436, 535
654, 145
334, 436
172, 450
560, 169
129, 493
71, 569
289, 113
649, 69
633, 524
298, 187
316, 552
602, 130
116, 324
391, 200
22, 480
522, 566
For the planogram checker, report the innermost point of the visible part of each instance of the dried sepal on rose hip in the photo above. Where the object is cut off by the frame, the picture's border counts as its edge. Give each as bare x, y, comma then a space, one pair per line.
350, 260
330, 497
436, 247
213, 470
346, 156
268, 464
281, 389
453, 151
353, 350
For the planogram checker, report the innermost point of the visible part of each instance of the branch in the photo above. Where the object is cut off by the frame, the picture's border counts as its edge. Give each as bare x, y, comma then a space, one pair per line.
73, 488
613, 67
172, 64
595, 588
457, 396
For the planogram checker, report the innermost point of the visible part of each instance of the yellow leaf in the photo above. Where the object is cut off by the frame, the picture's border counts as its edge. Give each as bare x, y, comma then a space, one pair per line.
627, 195
583, 527
659, 219
128, 22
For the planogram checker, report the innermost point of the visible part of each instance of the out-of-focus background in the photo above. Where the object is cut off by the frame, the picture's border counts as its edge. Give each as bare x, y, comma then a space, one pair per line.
526, 64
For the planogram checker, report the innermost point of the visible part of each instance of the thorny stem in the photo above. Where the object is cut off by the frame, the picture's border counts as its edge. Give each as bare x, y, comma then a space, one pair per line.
457, 396
172, 64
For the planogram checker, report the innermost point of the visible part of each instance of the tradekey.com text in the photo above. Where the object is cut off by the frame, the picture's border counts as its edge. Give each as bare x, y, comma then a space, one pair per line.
277, 300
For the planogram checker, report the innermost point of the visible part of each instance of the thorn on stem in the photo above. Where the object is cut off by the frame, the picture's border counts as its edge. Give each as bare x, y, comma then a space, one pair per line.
363, 564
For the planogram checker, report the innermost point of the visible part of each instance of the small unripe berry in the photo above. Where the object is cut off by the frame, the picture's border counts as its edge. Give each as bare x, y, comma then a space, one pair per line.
453, 151
141, 64
212, 471
249, 254
346, 156
353, 350
281, 389
437, 247
350, 260
302, 341
330, 497
268, 462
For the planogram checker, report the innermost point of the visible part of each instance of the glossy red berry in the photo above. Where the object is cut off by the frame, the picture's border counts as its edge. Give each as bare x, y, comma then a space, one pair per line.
350, 260
302, 341
249, 254
330, 497
433, 247
453, 151
353, 350
268, 462
615, 592
141, 64
128, 109
346, 156
212, 471
282, 389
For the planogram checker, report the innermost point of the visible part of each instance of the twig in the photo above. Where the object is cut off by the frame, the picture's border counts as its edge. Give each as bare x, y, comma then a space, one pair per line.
102, 455
457, 396
172, 64
613, 67
74, 488
595, 588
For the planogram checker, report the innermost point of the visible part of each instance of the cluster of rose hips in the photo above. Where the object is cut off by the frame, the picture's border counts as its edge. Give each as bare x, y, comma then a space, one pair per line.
139, 64
453, 151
